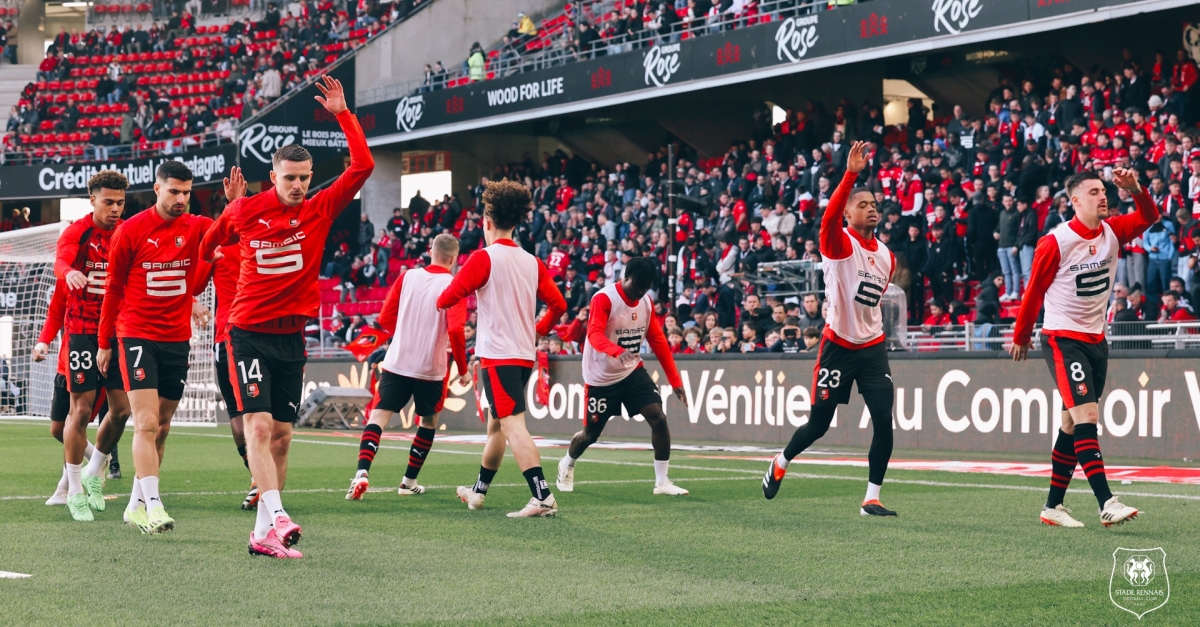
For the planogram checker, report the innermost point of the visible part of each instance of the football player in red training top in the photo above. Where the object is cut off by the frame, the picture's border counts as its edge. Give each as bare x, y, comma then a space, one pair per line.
153, 273
80, 269
415, 365
225, 269
281, 235
508, 283
857, 272
1073, 271
60, 400
621, 315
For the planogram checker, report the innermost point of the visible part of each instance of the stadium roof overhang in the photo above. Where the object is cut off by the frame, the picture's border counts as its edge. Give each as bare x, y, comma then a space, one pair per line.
876, 30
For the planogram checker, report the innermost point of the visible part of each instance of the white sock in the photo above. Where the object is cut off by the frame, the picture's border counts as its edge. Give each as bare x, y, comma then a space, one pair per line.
781, 461
74, 482
660, 471
262, 522
568, 460
360, 473
408, 483
135, 496
62, 483
89, 452
273, 503
872, 492
150, 491
95, 466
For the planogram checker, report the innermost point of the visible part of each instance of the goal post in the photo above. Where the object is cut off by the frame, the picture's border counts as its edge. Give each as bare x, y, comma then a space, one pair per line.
26, 285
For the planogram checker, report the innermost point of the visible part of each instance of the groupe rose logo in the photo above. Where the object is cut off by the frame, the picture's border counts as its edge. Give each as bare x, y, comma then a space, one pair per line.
955, 15
661, 63
408, 112
795, 37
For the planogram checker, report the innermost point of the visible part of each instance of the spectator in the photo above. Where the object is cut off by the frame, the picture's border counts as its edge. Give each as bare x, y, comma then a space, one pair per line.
810, 315
812, 338
1173, 309
1007, 228
476, 61
1027, 238
366, 233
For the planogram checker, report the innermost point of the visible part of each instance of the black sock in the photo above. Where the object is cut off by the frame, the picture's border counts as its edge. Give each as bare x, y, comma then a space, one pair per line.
880, 404
1062, 466
1087, 451
485, 479
368, 446
420, 449
818, 423
242, 451
537, 483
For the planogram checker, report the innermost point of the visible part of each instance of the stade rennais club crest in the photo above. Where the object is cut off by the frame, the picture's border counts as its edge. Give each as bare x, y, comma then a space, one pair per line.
1139, 583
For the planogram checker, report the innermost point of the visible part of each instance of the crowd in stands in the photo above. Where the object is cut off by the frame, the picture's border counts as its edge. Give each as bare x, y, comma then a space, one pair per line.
965, 199
593, 28
129, 90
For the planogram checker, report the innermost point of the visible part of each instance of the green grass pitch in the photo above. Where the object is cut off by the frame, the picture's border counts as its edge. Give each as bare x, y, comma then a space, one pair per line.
966, 550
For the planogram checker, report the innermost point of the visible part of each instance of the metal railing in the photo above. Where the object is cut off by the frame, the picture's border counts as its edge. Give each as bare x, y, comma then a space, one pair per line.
995, 337
564, 49
123, 152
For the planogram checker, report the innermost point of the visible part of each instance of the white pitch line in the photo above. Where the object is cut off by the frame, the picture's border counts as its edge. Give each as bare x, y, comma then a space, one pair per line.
4, 574
746, 471
372, 490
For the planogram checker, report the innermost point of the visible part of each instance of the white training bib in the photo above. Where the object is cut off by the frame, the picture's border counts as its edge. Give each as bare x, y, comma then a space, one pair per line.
854, 288
1077, 299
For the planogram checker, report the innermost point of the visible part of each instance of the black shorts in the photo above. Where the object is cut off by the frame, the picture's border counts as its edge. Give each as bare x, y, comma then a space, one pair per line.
504, 388
268, 372
224, 380
151, 365
1079, 368
394, 390
84, 375
838, 367
635, 392
60, 401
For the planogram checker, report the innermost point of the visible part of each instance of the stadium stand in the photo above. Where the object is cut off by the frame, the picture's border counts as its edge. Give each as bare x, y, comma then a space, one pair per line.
123, 89
989, 185
592, 28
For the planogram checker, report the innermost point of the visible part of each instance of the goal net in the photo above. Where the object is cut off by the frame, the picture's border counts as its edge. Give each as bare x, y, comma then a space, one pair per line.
26, 285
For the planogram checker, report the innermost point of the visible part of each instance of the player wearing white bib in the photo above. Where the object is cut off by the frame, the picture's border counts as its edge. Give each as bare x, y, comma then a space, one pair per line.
415, 366
508, 283
1074, 267
857, 271
621, 316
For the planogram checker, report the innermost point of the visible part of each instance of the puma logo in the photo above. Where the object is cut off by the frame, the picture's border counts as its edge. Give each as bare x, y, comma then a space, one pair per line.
152, 241
374, 446
419, 453
266, 223
94, 245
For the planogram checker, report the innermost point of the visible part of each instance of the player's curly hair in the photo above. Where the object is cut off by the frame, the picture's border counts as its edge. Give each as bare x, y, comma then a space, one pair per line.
642, 272
506, 203
107, 179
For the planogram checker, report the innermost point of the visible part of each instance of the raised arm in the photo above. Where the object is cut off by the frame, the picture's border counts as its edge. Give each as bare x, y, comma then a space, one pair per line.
835, 243
342, 191
1129, 226
221, 232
